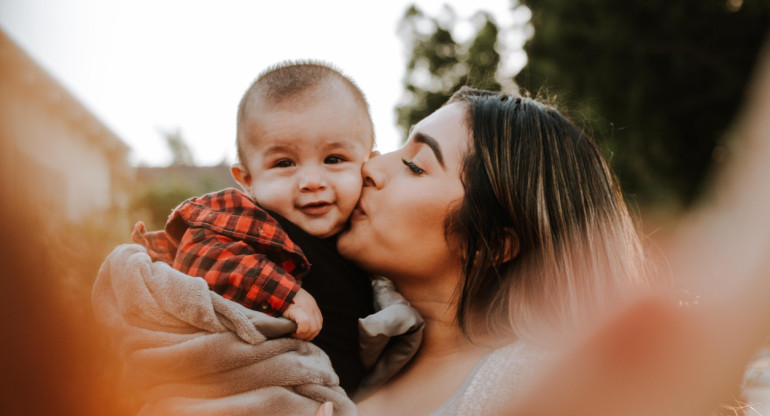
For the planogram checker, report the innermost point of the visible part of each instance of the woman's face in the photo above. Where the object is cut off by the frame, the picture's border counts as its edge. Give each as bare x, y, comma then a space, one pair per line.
398, 228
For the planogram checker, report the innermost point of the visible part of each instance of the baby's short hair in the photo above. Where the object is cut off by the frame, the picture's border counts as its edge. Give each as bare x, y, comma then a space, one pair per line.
289, 80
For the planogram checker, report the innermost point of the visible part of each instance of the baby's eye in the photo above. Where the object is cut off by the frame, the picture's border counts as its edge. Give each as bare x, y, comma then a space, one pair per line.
284, 163
332, 160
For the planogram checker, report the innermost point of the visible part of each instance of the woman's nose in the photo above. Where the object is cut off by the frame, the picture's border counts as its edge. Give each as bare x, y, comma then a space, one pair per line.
312, 180
373, 173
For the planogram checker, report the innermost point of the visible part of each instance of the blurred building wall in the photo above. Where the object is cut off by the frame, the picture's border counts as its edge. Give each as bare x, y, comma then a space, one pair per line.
53, 150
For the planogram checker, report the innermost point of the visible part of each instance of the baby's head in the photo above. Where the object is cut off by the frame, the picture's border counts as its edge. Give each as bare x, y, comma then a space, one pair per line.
304, 130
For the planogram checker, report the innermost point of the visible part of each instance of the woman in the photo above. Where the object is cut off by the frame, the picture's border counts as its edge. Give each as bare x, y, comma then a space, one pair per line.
496, 217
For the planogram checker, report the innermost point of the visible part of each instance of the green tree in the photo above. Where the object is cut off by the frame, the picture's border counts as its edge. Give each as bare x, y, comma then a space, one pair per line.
153, 200
656, 82
181, 155
158, 190
438, 65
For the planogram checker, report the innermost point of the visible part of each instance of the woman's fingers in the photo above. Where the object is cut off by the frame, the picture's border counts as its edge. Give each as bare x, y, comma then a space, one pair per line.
326, 409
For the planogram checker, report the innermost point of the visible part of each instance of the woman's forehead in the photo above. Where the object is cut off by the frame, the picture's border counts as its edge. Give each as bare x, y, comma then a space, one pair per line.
445, 132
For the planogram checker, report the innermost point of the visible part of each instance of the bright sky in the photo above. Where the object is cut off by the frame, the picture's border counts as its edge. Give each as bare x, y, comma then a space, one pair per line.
143, 66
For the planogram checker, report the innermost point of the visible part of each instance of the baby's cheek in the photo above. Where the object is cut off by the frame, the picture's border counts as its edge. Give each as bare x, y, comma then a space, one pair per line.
349, 190
274, 196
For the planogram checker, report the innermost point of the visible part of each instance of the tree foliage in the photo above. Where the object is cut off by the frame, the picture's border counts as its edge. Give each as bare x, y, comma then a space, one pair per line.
159, 190
438, 65
657, 81
153, 201
181, 155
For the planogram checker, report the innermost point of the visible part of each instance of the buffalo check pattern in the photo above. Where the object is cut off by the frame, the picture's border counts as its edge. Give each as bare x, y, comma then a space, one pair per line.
236, 246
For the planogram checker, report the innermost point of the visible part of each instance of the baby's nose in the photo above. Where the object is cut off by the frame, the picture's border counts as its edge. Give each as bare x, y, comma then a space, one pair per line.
312, 180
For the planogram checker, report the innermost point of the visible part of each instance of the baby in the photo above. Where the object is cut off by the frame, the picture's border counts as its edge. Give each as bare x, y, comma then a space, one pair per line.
304, 131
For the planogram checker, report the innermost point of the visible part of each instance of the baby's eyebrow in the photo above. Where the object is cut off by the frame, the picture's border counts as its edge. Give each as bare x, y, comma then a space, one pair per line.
277, 149
341, 144
433, 144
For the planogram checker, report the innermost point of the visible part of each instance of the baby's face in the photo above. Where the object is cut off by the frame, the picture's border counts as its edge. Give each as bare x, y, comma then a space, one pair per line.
304, 161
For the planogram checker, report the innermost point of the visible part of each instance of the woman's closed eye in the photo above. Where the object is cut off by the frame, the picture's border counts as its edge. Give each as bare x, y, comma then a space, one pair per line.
414, 168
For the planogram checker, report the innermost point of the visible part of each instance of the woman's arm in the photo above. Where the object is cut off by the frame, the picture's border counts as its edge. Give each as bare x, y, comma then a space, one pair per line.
657, 358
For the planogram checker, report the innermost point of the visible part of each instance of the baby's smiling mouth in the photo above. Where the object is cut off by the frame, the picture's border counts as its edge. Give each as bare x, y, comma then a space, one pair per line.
316, 208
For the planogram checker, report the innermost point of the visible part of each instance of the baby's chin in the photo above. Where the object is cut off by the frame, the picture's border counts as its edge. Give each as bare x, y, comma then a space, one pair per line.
323, 232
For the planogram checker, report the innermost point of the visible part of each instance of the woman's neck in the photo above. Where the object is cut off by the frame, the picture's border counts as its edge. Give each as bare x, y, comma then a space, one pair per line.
445, 358
442, 334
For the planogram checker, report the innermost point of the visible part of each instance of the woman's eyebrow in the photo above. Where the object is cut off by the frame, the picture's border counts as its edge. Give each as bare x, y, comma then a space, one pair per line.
433, 144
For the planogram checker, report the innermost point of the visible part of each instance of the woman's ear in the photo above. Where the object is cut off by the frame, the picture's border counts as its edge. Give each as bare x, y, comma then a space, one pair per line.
511, 249
241, 175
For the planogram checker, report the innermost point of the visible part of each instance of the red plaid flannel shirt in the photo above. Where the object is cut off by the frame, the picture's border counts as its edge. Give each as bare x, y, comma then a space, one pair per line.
238, 248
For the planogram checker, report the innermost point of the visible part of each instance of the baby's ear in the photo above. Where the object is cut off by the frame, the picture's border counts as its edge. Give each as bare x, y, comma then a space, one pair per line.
241, 175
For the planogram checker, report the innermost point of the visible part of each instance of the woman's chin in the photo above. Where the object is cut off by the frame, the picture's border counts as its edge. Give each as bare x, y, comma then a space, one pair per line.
346, 242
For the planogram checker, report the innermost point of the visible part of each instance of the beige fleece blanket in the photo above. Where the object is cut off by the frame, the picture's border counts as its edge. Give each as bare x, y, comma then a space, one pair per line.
196, 353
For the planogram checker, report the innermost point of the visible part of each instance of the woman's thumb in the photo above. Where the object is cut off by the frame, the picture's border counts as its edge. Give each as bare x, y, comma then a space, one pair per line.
327, 409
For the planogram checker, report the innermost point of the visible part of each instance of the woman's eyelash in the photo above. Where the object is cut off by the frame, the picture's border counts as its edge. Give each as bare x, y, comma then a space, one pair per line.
414, 168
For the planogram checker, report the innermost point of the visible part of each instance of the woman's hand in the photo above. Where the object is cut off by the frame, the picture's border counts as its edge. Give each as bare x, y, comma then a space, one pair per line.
326, 409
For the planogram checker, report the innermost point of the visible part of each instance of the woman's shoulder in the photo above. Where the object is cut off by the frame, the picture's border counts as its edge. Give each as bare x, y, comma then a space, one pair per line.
503, 372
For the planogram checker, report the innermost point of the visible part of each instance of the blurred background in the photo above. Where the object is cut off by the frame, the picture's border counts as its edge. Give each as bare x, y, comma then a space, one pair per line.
114, 112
